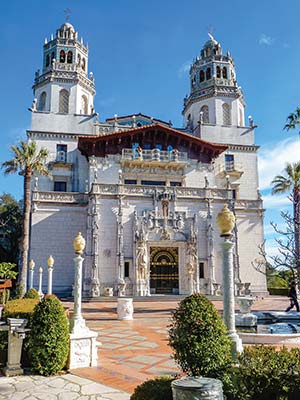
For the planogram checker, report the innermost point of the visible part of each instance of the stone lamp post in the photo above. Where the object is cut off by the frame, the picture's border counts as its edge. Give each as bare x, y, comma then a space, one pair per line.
83, 344
40, 291
31, 271
226, 222
50, 263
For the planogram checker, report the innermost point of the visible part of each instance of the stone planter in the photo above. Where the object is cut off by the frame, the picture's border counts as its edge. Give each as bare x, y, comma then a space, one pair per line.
108, 291
197, 388
125, 308
245, 304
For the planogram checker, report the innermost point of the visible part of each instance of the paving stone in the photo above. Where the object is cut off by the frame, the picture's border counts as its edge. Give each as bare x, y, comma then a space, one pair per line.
77, 379
96, 388
144, 359
117, 396
18, 396
68, 396
72, 387
57, 383
45, 396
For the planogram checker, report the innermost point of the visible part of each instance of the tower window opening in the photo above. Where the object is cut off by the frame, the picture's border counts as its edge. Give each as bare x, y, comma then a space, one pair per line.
218, 72
70, 57
84, 105
42, 102
202, 76
201, 270
63, 101
226, 114
62, 56
52, 56
208, 74
47, 60
224, 72
83, 64
205, 114
79, 59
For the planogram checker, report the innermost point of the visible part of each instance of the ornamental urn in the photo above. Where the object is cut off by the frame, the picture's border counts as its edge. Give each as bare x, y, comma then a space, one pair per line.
79, 244
226, 221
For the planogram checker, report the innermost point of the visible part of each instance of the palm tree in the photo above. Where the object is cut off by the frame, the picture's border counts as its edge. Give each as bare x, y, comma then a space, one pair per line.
293, 120
27, 160
290, 182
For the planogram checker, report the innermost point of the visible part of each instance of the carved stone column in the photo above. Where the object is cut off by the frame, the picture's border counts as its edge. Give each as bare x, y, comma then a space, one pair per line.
210, 247
120, 252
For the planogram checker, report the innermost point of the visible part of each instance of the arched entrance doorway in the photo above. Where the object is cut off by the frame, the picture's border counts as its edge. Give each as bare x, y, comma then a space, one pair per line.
164, 270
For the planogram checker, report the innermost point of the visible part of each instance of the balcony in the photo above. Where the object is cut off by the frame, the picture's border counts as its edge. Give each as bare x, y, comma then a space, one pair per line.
60, 159
230, 168
154, 157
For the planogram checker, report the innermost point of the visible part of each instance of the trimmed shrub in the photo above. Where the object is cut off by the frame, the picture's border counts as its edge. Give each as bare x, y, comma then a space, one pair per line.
48, 344
20, 308
278, 291
267, 374
32, 294
198, 337
154, 389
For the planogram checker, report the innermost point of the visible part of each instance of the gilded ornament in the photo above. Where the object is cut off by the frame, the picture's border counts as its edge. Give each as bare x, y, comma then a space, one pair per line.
31, 265
226, 221
50, 262
79, 244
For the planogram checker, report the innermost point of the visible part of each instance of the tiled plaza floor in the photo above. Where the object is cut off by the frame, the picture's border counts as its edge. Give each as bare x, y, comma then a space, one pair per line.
134, 351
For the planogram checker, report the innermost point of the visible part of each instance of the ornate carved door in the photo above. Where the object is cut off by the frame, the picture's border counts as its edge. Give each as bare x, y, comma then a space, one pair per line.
164, 270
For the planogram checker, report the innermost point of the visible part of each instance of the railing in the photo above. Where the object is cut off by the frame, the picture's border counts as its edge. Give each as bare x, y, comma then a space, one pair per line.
60, 197
230, 166
61, 157
154, 155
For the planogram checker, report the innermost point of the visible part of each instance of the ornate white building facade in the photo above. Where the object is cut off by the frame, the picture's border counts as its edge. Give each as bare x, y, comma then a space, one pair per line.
144, 194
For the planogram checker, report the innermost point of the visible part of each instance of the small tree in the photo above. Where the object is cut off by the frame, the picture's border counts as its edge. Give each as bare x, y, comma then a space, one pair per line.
198, 337
48, 343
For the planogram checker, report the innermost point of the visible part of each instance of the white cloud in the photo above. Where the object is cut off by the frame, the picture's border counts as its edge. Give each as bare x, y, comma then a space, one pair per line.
272, 160
271, 248
265, 40
278, 201
184, 69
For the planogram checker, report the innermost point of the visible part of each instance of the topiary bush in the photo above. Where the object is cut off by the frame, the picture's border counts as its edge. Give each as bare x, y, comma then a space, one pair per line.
267, 374
48, 344
154, 389
198, 337
20, 308
32, 294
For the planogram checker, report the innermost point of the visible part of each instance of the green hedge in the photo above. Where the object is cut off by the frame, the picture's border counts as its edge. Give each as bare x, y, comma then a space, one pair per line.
154, 389
278, 291
19, 308
32, 294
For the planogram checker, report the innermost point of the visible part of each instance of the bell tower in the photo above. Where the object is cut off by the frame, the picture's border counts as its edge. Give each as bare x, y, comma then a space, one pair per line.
215, 98
64, 86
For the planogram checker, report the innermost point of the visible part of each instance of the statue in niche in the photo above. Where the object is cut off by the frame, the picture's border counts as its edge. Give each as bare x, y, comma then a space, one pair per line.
95, 285
180, 222
165, 208
192, 264
142, 268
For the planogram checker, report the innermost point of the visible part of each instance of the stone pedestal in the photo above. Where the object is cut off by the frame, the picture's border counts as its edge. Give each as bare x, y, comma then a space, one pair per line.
191, 388
108, 291
125, 308
83, 349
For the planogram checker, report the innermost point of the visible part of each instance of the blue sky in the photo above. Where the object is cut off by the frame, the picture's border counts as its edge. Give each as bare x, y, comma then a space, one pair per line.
139, 53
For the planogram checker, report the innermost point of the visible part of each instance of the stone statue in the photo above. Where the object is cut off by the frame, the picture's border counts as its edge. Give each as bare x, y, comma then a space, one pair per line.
141, 259
165, 208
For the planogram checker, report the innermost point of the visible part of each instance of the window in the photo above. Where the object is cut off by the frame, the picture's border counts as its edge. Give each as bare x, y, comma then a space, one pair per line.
218, 72
84, 105
62, 56
224, 72
208, 73
158, 146
42, 102
201, 270
70, 57
126, 269
60, 186
47, 60
130, 181
83, 64
205, 114
147, 146
52, 56
226, 114
202, 76
229, 162
61, 152
63, 101
79, 59
175, 184
154, 183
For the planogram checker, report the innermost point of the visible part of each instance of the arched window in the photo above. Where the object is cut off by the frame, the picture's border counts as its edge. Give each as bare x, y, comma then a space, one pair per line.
226, 114
202, 76
208, 73
84, 105
70, 57
83, 64
79, 59
52, 56
205, 114
63, 101
218, 69
62, 56
224, 72
42, 102
47, 60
